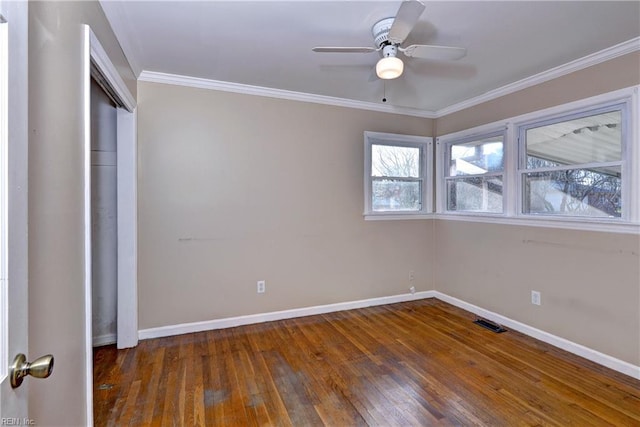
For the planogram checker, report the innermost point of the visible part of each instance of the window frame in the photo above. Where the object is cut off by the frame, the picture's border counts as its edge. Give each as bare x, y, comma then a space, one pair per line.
425, 144
513, 189
443, 149
624, 161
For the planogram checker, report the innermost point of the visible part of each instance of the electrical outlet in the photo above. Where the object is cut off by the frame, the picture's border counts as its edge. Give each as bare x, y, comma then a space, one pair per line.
412, 289
411, 276
536, 298
261, 286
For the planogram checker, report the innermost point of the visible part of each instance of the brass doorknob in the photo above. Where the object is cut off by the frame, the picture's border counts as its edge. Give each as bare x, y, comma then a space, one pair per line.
39, 368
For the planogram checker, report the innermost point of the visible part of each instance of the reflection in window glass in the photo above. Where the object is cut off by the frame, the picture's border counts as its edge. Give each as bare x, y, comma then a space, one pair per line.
397, 177
474, 180
475, 194
574, 192
396, 195
591, 139
476, 157
579, 165
395, 161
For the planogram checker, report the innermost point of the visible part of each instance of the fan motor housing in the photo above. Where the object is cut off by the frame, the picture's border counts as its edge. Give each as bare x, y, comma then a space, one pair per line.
380, 31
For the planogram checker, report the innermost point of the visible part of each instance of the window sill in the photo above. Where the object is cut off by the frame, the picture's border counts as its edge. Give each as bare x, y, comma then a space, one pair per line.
394, 216
609, 226
603, 225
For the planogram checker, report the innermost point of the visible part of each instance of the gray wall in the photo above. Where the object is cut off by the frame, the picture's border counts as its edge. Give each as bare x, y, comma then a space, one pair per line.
590, 281
236, 188
104, 215
56, 200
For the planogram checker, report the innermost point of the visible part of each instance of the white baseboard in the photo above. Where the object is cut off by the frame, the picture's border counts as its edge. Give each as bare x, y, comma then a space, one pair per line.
570, 346
578, 349
104, 340
229, 322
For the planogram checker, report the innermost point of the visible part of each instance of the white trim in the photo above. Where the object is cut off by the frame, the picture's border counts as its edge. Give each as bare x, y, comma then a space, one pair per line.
106, 339
230, 322
4, 199
627, 96
511, 188
396, 216
633, 157
196, 82
562, 70
127, 217
443, 158
88, 318
428, 179
511, 178
425, 144
474, 132
570, 346
101, 59
96, 53
127, 312
607, 54
16, 403
546, 222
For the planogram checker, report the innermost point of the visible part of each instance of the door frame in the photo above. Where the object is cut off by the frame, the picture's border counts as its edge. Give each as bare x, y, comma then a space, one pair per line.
127, 317
15, 403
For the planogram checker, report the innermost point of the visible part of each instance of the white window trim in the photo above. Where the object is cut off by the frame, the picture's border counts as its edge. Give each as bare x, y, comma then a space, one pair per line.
426, 166
630, 223
442, 155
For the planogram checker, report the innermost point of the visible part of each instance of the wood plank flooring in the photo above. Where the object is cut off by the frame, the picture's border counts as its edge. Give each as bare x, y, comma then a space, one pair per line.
415, 363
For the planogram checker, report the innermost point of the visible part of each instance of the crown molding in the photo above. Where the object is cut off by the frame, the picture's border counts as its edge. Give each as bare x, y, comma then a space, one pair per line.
562, 70
621, 49
174, 79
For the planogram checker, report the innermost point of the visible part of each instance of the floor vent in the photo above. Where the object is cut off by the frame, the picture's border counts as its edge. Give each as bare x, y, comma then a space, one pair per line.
490, 325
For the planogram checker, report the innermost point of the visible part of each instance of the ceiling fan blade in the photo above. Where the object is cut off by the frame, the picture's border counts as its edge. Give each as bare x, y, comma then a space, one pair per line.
406, 18
330, 49
447, 53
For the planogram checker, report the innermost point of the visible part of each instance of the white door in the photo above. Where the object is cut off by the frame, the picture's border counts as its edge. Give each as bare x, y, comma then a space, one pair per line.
13, 207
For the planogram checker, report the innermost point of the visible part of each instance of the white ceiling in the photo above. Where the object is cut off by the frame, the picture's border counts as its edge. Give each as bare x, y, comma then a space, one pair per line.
268, 44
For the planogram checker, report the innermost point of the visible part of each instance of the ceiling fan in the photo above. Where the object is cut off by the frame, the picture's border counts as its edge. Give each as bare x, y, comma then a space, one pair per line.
390, 33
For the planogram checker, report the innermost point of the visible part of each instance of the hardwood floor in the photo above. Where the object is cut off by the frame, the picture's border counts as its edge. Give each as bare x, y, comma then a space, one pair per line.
415, 363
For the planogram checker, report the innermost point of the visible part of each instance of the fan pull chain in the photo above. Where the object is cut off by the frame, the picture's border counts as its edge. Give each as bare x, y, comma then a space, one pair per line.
384, 91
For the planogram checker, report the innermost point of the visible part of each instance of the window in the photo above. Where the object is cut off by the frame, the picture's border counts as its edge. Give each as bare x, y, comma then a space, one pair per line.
572, 165
395, 175
474, 174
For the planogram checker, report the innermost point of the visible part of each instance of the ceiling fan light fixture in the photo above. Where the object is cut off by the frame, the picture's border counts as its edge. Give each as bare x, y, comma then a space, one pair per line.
389, 67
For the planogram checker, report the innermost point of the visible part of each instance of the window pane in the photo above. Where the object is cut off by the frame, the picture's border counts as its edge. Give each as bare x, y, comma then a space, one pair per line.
575, 192
396, 195
593, 139
395, 161
477, 157
475, 194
